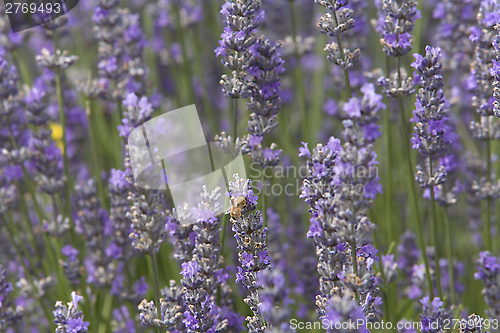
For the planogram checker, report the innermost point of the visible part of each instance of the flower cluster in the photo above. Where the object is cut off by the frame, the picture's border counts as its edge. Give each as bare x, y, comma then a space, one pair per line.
68, 318
148, 314
265, 66
8, 314
488, 267
433, 136
275, 300
339, 197
148, 222
208, 258
339, 19
202, 314
434, 316
495, 72
241, 21
399, 17
250, 235
121, 44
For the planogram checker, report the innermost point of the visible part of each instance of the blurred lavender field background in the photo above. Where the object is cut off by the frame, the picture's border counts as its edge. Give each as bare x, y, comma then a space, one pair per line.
370, 135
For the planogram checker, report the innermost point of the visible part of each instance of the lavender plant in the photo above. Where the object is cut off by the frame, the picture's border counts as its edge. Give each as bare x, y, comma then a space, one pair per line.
346, 258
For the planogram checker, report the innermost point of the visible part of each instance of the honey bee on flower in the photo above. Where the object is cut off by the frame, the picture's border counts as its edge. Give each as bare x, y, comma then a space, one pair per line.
237, 205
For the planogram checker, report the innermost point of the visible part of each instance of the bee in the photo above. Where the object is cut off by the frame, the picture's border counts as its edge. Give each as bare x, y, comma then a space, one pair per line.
237, 205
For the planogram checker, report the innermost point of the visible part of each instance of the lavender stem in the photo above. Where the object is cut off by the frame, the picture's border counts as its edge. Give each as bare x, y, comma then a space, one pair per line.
65, 143
435, 236
156, 287
489, 242
415, 207
299, 76
449, 251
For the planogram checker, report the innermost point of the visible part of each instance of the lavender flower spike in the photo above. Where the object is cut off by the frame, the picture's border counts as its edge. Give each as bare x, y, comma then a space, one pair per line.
488, 267
202, 314
399, 21
242, 20
8, 315
434, 315
433, 136
253, 254
338, 20
68, 318
495, 72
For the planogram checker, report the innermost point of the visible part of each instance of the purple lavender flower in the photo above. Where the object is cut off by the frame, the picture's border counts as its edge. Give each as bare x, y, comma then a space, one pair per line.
338, 20
72, 265
482, 69
148, 314
331, 190
433, 137
121, 44
495, 72
202, 314
241, 22
13, 136
68, 318
434, 315
8, 314
399, 21
148, 222
408, 254
48, 158
275, 300
488, 271
454, 26
265, 66
137, 112
93, 222
343, 309
124, 323
250, 235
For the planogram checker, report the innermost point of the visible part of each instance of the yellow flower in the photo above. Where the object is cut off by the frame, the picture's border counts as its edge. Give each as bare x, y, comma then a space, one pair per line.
57, 135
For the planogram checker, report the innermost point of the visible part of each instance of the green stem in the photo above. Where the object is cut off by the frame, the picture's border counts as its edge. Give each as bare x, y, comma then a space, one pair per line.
388, 179
413, 193
61, 278
299, 75
31, 231
156, 286
120, 110
25, 72
263, 198
449, 252
21, 242
106, 310
95, 157
207, 107
186, 65
65, 143
27, 272
223, 232
235, 119
489, 242
385, 288
389, 169
435, 234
